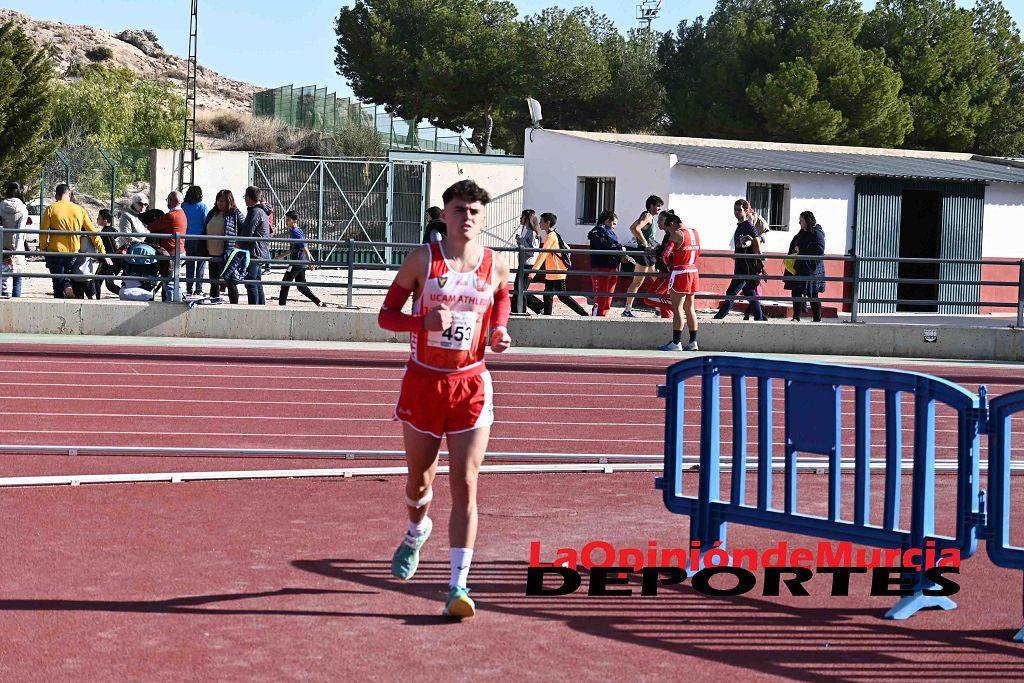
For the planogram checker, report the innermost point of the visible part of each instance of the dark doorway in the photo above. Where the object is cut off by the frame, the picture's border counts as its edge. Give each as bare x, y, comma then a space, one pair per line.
920, 237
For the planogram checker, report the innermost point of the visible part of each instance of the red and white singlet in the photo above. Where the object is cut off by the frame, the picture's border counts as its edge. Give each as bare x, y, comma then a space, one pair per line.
470, 297
684, 277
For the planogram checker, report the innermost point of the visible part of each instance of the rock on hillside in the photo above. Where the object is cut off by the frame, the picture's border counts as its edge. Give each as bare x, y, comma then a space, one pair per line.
137, 50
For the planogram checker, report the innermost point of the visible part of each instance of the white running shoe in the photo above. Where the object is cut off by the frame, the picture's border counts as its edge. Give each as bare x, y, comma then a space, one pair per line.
671, 346
692, 346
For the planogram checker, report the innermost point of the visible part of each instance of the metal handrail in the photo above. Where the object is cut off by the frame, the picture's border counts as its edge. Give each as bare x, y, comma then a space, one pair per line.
854, 300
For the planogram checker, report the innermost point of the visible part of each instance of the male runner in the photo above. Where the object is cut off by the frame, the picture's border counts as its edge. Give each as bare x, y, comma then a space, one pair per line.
461, 304
682, 252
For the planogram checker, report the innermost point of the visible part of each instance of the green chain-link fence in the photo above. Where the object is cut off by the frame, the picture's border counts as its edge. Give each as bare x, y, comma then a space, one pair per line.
315, 109
101, 178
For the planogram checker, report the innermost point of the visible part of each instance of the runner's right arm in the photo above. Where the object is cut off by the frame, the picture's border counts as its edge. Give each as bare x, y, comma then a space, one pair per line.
406, 283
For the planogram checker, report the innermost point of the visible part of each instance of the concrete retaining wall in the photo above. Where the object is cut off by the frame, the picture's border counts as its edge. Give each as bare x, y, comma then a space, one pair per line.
271, 322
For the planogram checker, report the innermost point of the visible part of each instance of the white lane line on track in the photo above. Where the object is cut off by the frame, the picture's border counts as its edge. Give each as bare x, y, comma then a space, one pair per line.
876, 424
388, 420
292, 435
393, 391
398, 437
390, 404
295, 418
495, 367
396, 379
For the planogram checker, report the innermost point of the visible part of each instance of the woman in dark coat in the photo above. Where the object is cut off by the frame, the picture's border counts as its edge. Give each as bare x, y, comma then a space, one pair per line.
810, 241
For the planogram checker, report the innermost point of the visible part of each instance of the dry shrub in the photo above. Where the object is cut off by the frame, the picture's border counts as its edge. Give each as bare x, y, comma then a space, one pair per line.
257, 135
229, 121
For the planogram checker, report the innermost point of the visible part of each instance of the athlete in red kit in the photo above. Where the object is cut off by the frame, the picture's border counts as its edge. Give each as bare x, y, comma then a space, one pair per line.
461, 305
682, 252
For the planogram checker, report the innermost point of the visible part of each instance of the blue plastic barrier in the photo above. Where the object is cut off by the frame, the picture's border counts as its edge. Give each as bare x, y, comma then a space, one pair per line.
813, 424
1000, 551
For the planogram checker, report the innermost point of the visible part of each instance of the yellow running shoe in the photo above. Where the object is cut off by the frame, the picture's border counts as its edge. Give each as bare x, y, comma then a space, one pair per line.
459, 605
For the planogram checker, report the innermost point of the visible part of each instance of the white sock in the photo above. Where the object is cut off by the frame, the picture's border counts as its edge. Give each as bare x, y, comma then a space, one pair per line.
420, 527
461, 559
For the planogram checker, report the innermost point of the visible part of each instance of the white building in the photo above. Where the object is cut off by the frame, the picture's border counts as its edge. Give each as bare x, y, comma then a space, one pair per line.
879, 202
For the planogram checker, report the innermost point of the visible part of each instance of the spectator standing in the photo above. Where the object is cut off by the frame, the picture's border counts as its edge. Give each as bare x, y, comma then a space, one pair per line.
529, 237
644, 258
554, 282
65, 216
224, 220
436, 229
682, 251
810, 241
173, 223
195, 214
84, 286
105, 221
602, 236
789, 281
256, 224
746, 271
130, 221
301, 259
13, 219
662, 306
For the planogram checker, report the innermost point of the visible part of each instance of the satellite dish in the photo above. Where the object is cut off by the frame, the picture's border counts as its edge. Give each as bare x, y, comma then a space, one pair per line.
535, 113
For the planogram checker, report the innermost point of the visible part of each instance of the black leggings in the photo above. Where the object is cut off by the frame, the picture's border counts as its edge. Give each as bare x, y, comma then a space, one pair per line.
216, 270
549, 299
297, 275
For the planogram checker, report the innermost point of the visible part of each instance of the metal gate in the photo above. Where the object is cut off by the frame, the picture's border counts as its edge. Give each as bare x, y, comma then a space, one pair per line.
877, 234
879, 208
375, 201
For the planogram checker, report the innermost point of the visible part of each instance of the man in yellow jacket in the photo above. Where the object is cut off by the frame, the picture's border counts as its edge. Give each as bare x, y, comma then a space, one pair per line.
65, 215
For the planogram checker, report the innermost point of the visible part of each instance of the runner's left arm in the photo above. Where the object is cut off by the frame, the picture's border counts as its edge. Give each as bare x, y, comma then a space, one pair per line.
500, 339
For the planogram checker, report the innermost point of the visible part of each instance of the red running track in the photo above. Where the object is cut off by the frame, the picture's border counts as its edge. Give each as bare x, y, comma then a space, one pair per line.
288, 580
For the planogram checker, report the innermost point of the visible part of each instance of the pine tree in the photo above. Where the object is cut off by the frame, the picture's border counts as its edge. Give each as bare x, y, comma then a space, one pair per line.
26, 107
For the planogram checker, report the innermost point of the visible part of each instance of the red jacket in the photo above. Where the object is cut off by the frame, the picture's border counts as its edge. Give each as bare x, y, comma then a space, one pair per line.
171, 223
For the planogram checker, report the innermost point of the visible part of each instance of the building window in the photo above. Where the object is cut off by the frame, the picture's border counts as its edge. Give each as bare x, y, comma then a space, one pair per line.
772, 202
594, 195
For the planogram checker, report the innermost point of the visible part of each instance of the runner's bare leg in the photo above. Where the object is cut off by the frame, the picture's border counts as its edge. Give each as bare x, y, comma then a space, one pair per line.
421, 457
465, 455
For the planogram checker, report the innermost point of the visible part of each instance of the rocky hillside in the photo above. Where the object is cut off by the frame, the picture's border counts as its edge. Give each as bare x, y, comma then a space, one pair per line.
138, 50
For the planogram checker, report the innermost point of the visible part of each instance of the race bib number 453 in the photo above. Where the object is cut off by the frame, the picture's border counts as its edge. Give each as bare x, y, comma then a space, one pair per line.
458, 337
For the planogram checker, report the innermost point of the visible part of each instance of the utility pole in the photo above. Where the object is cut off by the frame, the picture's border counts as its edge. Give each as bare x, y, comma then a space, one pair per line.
188, 145
647, 11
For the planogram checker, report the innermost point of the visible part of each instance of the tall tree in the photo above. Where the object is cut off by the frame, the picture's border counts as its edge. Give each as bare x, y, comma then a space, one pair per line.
1003, 135
950, 75
472, 69
25, 106
562, 62
382, 50
787, 70
635, 99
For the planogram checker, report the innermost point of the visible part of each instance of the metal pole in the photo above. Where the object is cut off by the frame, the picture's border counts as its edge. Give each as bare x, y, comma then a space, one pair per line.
390, 212
351, 273
1020, 294
113, 178
520, 279
175, 293
854, 287
320, 221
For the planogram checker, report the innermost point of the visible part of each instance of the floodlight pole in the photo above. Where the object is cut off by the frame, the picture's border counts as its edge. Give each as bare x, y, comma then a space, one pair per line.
188, 146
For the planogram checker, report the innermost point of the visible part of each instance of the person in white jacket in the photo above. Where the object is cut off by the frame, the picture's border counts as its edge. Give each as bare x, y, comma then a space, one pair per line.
130, 221
13, 219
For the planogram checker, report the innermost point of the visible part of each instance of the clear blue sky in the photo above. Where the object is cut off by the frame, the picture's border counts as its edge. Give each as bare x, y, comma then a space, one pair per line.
272, 43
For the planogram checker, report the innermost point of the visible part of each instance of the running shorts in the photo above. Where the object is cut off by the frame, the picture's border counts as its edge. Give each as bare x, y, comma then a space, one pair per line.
683, 282
438, 403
